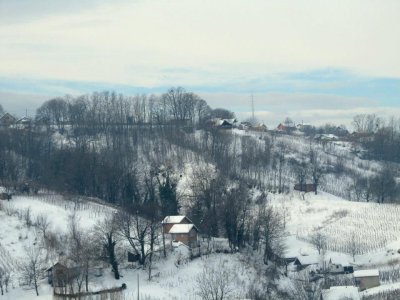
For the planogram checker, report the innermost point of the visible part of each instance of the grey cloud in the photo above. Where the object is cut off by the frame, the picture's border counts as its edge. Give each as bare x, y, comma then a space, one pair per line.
16, 11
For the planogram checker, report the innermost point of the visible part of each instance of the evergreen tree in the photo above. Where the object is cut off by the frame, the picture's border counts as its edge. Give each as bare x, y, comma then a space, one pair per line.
169, 202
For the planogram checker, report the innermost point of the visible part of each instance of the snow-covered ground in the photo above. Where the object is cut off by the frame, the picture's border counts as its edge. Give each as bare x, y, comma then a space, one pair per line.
172, 278
376, 226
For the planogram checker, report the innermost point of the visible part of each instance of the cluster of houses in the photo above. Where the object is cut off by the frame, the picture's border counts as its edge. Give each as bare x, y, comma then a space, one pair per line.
233, 123
363, 279
282, 128
337, 264
7, 121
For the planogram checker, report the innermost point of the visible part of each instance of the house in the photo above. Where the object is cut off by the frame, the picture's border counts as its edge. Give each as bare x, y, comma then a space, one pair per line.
7, 120
285, 128
226, 123
24, 123
185, 233
304, 127
307, 187
170, 221
261, 127
325, 137
59, 275
341, 131
306, 260
340, 293
4, 194
366, 279
245, 125
338, 264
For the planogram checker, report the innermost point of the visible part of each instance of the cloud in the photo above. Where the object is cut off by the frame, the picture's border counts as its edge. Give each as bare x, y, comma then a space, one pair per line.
299, 58
140, 42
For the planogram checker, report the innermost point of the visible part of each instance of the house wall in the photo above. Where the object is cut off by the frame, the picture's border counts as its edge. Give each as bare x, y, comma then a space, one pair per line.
5, 196
167, 226
333, 268
7, 120
367, 282
189, 239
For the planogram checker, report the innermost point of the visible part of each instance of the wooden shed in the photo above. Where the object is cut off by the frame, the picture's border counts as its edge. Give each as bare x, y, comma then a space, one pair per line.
60, 275
4, 194
185, 233
366, 279
307, 187
306, 260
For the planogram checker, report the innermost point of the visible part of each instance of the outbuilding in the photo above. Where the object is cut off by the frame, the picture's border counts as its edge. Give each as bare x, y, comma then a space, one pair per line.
366, 279
185, 233
306, 260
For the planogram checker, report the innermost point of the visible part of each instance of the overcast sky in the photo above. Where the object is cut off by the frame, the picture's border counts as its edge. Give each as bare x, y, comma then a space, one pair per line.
316, 61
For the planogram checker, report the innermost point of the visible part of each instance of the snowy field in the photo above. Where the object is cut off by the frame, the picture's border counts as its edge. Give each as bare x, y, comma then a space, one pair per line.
374, 227
173, 278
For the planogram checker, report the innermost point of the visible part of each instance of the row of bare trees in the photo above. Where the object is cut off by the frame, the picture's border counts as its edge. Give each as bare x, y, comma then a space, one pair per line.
106, 110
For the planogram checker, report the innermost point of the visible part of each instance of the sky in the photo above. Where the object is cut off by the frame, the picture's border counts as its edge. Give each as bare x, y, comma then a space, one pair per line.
316, 61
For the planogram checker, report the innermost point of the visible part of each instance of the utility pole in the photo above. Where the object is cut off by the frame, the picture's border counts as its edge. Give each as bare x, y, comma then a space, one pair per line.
252, 108
137, 286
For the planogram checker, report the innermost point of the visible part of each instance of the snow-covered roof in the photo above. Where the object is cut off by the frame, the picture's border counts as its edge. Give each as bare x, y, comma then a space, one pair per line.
181, 228
338, 259
308, 259
341, 292
228, 121
173, 219
24, 119
366, 273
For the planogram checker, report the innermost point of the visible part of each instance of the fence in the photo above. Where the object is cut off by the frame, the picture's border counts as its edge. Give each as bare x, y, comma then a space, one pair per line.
111, 294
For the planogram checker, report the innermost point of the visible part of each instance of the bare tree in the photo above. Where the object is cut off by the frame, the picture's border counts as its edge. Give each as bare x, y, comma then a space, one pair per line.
141, 233
42, 223
236, 208
4, 280
318, 240
106, 232
32, 267
215, 282
272, 231
315, 169
383, 185
353, 246
81, 252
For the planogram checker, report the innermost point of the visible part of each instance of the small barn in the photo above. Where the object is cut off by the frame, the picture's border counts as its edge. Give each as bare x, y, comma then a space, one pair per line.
307, 187
306, 260
185, 233
4, 194
366, 279
170, 221
59, 275
7, 120
340, 292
